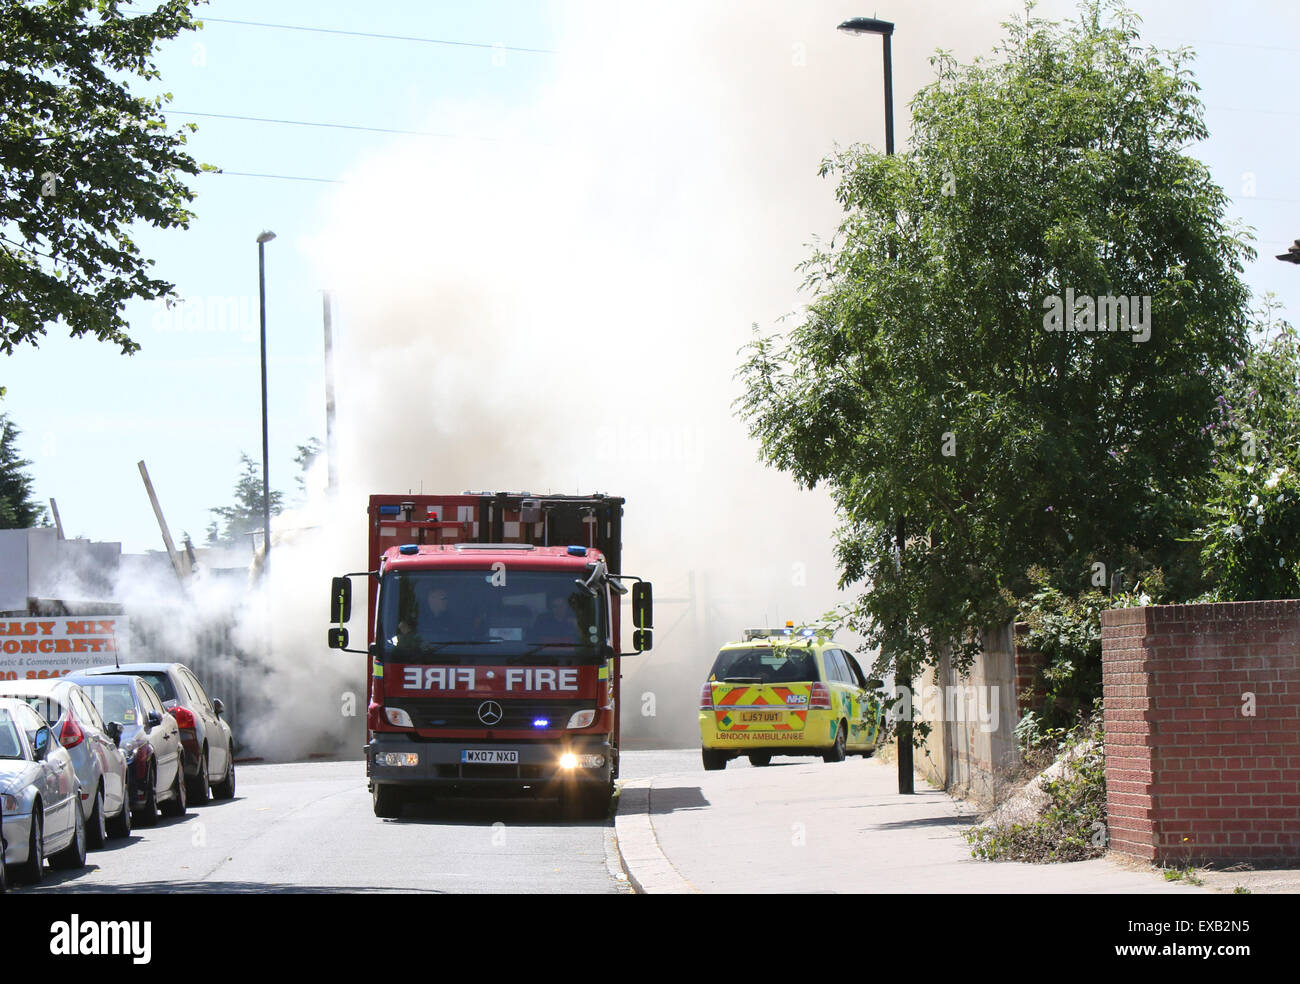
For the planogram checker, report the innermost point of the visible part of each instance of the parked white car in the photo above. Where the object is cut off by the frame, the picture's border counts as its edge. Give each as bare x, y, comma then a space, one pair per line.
93, 747
39, 794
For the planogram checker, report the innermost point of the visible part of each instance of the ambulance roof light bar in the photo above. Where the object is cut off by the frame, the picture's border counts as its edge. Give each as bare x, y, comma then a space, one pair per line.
789, 630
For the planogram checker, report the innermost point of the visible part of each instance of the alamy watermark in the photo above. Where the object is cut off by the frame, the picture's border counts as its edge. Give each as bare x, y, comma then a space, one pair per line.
236, 313
929, 702
1106, 313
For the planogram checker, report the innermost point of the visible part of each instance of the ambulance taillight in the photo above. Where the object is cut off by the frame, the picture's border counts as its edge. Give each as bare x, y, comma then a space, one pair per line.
820, 698
706, 697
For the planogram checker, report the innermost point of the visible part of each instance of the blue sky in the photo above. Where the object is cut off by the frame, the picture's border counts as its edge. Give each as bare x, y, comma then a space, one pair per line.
188, 403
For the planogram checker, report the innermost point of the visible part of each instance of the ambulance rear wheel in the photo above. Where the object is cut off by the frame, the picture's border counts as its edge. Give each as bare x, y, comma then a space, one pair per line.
713, 759
838, 750
388, 801
760, 759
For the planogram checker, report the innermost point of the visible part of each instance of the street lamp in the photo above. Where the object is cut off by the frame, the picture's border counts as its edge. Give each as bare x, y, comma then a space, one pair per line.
262, 240
869, 25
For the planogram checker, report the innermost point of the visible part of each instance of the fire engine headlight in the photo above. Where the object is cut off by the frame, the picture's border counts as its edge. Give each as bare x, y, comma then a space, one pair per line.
398, 717
570, 761
582, 719
398, 758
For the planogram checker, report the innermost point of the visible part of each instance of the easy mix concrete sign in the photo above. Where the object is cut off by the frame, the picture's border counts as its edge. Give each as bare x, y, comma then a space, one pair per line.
36, 648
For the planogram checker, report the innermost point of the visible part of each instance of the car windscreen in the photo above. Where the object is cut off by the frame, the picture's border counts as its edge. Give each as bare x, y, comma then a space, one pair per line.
160, 681
114, 700
474, 617
765, 664
10, 740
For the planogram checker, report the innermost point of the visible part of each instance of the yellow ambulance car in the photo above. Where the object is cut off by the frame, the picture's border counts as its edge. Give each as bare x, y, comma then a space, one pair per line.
787, 692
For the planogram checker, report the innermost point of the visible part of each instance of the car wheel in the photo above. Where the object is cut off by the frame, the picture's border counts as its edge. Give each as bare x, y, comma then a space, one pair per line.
836, 754
74, 855
147, 815
200, 791
120, 825
96, 833
760, 759
34, 867
388, 801
713, 759
175, 807
225, 789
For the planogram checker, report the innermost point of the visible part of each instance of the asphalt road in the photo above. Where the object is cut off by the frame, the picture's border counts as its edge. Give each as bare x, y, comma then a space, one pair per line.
309, 827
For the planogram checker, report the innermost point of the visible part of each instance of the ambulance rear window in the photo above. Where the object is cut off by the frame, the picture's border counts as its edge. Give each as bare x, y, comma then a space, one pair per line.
765, 664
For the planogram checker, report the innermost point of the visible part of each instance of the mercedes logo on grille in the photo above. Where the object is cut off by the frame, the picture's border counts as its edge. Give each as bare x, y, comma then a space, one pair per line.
489, 712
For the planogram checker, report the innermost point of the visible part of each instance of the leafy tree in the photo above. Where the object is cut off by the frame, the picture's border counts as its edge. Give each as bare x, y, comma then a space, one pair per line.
245, 515
1253, 524
81, 160
928, 385
17, 508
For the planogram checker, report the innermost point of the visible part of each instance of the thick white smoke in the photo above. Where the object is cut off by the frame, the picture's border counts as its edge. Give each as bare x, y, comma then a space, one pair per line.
560, 309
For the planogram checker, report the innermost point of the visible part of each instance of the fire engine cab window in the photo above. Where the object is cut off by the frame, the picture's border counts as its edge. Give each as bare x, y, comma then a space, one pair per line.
476, 616
764, 665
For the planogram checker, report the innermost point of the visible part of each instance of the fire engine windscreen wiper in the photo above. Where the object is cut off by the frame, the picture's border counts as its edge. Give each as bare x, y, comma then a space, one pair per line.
434, 647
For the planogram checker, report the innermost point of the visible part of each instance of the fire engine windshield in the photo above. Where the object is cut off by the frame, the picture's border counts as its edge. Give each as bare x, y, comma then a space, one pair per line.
484, 618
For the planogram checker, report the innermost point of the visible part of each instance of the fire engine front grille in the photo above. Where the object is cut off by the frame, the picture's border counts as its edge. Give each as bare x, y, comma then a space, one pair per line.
534, 772
463, 714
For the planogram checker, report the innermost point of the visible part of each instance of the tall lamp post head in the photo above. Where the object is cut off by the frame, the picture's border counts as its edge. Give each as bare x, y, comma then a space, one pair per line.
266, 237
866, 25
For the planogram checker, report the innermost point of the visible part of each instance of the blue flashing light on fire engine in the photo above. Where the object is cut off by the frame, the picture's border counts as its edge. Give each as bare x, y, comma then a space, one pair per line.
577, 551
409, 548
541, 723
390, 510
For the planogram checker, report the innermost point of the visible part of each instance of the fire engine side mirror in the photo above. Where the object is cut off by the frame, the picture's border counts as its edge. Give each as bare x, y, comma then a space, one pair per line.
642, 615
338, 638
340, 601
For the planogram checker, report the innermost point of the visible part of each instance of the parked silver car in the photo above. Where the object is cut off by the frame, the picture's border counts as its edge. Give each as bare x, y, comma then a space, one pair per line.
99, 763
40, 793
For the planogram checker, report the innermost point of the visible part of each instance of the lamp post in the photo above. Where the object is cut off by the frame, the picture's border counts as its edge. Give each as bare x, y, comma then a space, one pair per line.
903, 674
262, 240
869, 25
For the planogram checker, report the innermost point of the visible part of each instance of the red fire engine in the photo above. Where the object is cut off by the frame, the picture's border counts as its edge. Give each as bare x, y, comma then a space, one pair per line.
493, 645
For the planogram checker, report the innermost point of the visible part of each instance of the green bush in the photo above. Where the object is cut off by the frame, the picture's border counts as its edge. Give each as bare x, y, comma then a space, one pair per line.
1072, 827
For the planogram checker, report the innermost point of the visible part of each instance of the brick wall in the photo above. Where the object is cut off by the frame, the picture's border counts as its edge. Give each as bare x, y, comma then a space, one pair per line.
1194, 772
1029, 670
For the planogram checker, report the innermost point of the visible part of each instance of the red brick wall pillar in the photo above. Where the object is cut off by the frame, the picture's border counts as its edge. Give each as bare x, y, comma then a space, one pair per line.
1202, 721
1029, 673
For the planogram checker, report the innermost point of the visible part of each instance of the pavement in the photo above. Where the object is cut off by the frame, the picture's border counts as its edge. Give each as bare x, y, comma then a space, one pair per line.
804, 826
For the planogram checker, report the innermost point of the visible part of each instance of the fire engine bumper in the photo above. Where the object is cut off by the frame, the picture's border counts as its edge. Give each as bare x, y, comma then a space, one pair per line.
586, 761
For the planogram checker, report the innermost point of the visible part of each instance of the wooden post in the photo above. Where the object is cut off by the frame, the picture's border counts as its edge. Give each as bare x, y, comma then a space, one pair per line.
177, 564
